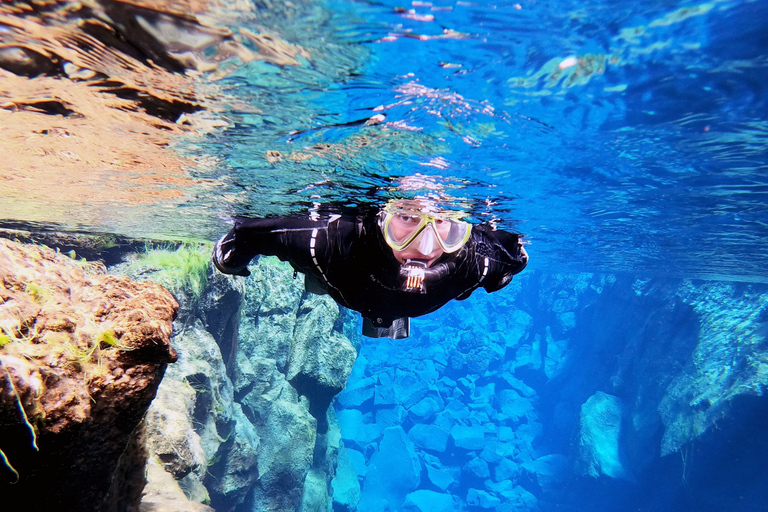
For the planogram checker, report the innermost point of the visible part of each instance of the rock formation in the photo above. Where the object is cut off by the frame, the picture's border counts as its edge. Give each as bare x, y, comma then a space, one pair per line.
82, 354
566, 392
243, 421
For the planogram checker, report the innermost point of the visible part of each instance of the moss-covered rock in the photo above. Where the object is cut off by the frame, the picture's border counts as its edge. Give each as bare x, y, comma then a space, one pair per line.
82, 356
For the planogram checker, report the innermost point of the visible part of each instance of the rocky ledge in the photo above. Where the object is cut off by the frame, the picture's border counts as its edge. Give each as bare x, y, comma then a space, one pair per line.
82, 354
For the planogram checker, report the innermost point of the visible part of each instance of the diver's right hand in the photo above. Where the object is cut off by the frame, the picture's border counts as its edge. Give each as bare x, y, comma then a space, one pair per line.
223, 252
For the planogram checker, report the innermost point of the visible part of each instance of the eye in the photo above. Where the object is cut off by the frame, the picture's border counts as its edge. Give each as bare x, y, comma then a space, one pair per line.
410, 219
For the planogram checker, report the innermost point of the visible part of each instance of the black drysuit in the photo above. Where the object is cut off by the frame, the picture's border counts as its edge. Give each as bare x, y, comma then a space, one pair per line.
348, 258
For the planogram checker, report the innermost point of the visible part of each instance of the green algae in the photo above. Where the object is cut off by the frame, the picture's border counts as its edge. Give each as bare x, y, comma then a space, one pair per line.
183, 268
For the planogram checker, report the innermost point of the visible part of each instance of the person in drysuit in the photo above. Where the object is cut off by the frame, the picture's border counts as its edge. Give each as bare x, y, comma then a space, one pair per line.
404, 261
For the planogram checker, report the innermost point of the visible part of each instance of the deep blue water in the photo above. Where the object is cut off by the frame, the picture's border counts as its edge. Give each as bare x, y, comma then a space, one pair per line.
616, 136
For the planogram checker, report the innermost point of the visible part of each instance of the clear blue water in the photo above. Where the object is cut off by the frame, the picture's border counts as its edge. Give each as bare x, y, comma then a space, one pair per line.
622, 138
618, 137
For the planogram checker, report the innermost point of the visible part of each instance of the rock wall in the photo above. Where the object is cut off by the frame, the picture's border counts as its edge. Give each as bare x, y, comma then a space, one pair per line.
566, 392
81, 356
243, 421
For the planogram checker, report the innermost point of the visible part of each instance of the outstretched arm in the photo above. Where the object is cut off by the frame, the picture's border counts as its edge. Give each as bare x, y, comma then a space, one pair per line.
285, 237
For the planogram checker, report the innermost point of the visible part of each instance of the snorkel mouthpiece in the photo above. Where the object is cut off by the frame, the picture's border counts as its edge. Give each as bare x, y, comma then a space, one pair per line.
413, 273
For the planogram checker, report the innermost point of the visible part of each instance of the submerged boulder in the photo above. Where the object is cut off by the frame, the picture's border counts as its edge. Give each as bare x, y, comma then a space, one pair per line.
600, 436
429, 501
81, 354
345, 486
393, 472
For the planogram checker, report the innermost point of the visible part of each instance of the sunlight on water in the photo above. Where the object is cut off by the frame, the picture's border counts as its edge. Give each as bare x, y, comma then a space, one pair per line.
616, 138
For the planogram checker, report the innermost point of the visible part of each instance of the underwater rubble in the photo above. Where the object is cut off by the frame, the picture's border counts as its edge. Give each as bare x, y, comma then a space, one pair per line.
565, 392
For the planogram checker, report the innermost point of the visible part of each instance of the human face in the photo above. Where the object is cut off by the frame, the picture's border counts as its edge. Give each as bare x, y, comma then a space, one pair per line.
425, 247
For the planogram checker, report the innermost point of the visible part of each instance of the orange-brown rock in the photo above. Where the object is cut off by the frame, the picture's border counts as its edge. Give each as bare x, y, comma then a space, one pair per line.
81, 356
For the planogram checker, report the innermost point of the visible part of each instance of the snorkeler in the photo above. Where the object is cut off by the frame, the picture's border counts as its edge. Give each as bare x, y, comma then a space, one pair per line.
404, 261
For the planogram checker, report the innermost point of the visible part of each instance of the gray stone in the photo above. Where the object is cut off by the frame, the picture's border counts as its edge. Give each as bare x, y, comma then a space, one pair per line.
320, 358
271, 303
477, 468
429, 437
518, 500
482, 499
549, 470
315, 492
390, 416
441, 477
279, 415
394, 470
357, 394
600, 437
505, 470
192, 414
515, 407
345, 485
426, 408
468, 438
429, 501
358, 461
350, 423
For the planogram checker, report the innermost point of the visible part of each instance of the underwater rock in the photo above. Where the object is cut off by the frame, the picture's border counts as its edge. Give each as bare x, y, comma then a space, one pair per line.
346, 487
163, 493
280, 416
192, 417
393, 471
441, 477
505, 470
557, 355
600, 437
315, 493
468, 438
82, 356
428, 501
549, 471
321, 358
429, 437
476, 468
518, 500
358, 461
482, 499
297, 331
219, 309
476, 352
356, 395
729, 363
426, 408
231, 478
515, 407
271, 303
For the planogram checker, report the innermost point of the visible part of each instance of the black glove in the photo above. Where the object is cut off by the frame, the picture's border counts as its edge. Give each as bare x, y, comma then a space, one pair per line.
224, 253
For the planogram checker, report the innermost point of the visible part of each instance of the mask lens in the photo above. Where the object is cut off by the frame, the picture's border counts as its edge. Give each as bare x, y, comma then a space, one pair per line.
453, 234
402, 230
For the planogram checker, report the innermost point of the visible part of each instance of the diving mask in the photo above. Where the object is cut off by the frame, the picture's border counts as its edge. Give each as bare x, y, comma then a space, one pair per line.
403, 229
